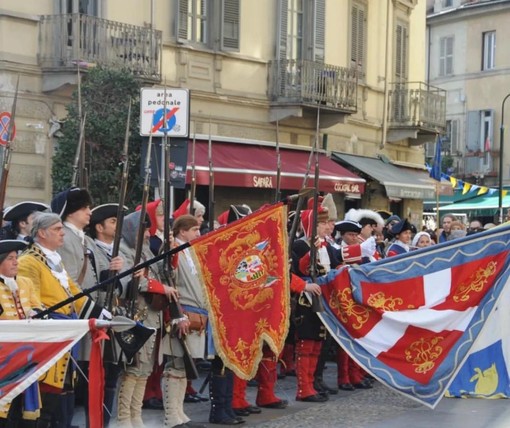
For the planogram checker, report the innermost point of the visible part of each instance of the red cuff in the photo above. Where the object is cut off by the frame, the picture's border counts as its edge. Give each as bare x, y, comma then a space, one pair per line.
297, 284
175, 261
154, 286
304, 264
351, 253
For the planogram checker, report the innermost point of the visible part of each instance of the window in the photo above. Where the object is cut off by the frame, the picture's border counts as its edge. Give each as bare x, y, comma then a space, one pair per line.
193, 20
446, 56
210, 23
489, 50
486, 137
450, 139
359, 38
479, 141
295, 29
447, 3
301, 30
401, 51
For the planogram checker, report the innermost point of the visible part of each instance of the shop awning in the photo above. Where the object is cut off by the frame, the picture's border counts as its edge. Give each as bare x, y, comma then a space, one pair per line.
254, 166
398, 182
479, 203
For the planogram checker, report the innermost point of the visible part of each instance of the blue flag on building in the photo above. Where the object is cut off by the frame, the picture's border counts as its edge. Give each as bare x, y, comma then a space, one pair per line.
435, 171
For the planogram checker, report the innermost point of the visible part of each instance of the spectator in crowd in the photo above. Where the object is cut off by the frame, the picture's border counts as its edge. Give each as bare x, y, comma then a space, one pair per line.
446, 222
475, 226
457, 230
421, 240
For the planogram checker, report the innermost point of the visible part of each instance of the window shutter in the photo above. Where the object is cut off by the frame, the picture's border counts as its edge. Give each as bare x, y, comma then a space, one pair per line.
473, 131
182, 19
454, 136
401, 51
449, 56
320, 23
442, 56
358, 32
230, 25
281, 47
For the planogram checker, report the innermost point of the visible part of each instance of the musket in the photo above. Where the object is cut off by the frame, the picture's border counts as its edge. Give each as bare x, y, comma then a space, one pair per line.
211, 180
193, 178
133, 286
7, 154
317, 305
174, 306
78, 156
278, 193
120, 210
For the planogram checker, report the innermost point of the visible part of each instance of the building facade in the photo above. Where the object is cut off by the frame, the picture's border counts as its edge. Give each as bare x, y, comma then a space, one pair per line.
467, 57
345, 76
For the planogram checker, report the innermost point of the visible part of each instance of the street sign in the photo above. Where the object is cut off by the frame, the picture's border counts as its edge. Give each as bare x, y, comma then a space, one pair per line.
153, 112
5, 120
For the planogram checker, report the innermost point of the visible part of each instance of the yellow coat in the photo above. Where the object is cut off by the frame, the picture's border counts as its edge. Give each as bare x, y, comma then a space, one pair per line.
29, 300
28, 297
32, 264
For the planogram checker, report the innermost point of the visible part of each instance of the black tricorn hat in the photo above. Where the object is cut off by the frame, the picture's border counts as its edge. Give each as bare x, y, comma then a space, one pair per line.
69, 201
23, 209
348, 226
237, 212
8, 245
401, 226
102, 212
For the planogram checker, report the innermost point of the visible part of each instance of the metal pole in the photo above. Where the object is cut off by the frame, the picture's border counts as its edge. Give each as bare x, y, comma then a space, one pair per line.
501, 146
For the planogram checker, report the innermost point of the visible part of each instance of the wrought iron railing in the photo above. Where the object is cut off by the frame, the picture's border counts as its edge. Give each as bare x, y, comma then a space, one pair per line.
416, 104
68, 38
312, 82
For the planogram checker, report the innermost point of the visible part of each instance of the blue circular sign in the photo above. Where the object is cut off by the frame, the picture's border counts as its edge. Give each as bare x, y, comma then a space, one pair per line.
158, 123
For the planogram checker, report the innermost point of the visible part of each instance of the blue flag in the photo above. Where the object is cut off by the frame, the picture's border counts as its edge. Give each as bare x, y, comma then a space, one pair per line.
435, 171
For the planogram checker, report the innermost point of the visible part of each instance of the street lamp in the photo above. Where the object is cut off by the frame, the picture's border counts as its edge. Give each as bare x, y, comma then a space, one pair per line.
501, 145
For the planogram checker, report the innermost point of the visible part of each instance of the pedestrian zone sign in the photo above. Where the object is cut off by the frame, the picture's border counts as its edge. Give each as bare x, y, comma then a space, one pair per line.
164, 111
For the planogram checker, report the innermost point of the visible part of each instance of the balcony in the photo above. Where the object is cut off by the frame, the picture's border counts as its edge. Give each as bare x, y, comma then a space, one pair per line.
298, 88
416, 111
68, 39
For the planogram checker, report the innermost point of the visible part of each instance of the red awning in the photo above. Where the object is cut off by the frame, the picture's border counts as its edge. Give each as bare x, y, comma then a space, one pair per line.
251, 165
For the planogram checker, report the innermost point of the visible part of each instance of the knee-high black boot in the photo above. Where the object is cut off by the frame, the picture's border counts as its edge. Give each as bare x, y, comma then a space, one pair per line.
218, 391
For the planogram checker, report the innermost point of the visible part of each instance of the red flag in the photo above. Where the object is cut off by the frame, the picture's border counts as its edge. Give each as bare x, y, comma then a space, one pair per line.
28, 348
245, 272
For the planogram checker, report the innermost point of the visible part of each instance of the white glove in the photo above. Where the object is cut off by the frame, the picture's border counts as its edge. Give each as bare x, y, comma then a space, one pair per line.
368, 247
106, 315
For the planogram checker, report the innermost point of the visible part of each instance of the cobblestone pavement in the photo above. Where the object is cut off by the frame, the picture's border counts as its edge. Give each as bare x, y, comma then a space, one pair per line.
375, 408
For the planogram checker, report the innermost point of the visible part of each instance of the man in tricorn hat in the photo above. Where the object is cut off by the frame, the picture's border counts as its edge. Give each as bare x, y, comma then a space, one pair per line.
43, 265
21, 214
78, 254
18, 300
102, 228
